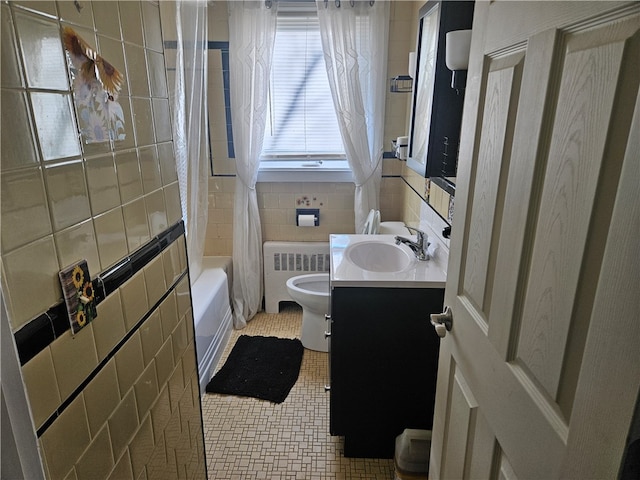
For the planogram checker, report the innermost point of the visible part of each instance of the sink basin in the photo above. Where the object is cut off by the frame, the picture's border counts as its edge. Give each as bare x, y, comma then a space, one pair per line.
376, 261
376, 256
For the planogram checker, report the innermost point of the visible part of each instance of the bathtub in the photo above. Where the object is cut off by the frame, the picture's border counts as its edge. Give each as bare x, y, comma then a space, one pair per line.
211, 314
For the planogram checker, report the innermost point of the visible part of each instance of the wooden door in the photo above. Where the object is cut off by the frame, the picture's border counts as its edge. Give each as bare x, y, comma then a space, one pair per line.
540, 373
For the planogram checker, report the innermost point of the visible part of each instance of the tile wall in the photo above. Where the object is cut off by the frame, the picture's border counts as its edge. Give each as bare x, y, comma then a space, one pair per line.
120, 398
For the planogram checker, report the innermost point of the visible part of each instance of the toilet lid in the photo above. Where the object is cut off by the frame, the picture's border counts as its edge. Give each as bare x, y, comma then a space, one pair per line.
368, 222
375, 225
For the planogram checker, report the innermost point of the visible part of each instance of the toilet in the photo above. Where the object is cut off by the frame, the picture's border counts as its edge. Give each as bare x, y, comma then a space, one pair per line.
373, 225
311, 292
393, 228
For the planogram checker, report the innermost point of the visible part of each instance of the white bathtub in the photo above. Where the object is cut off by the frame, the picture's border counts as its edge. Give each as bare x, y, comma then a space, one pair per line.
211, 314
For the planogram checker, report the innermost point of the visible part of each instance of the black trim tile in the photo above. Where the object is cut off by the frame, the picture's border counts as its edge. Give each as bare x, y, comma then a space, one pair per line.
34, 337
164, 239
176, 231
47, 423
144, 255
113, 278
59, 319
445, 184
40, 332
98, 290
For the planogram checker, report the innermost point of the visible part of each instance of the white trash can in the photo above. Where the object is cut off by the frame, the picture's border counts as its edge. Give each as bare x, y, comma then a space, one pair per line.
411, 460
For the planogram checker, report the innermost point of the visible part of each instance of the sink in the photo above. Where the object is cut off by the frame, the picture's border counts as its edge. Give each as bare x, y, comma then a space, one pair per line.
376, 261
375, 256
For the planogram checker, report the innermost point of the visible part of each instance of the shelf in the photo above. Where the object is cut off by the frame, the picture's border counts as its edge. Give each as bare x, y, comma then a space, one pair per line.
401, 84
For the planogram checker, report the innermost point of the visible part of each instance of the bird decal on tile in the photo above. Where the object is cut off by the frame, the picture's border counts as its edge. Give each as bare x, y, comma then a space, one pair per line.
90, 63
96, 85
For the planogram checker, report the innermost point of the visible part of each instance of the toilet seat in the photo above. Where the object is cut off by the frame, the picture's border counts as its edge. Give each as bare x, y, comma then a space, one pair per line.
372, 223
318, 283
367, 223
375, 225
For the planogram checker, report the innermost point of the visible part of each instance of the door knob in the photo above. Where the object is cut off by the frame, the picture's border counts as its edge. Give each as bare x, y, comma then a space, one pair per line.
441, 330
442, 321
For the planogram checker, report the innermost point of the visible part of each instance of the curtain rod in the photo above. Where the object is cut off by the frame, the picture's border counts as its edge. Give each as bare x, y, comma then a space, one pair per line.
269, 3
351, 2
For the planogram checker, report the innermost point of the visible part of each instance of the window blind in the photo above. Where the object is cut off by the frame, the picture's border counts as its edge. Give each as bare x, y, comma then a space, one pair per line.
301, 121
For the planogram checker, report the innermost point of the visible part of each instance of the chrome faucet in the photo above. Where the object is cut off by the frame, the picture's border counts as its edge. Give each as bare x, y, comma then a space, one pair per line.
419, 247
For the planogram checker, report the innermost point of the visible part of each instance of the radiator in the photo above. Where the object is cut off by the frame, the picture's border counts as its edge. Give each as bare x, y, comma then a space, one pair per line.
283, 260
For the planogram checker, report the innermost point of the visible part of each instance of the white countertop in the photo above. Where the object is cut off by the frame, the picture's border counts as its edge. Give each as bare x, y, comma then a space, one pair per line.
426, 274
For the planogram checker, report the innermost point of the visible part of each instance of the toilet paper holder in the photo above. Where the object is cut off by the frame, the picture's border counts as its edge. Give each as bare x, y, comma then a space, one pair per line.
308, 211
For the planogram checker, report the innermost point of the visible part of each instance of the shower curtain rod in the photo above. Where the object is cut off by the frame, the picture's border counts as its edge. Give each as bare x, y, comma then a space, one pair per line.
269, 3
351, 2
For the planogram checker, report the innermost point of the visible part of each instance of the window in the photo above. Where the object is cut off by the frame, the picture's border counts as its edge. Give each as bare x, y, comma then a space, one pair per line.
301, 121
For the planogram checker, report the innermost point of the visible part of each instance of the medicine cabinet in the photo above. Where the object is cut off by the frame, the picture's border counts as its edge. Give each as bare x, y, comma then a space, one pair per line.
436, 107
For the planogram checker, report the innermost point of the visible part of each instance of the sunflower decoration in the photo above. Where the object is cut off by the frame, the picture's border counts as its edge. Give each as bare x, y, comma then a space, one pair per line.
87, 293
87, 304
77, 276
81, 318
79, 295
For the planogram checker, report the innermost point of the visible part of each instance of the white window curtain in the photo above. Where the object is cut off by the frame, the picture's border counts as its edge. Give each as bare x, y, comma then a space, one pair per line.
252, 29
354, 40
190, 126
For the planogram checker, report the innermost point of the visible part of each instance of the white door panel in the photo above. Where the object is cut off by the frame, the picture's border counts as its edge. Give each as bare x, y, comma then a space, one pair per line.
607, 386
546, 214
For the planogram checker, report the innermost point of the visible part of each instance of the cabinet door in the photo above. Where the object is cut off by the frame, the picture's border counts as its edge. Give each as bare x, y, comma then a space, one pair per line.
383, 365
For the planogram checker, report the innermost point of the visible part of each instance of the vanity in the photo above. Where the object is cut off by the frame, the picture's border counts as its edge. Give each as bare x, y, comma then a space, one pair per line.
383, 351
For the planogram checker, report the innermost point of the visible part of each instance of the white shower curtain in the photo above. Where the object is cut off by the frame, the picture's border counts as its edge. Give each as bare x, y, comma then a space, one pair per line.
190, 125
252, 29
354, 40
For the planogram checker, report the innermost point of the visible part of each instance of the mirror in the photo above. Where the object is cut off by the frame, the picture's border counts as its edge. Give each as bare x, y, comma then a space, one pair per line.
436, 107
422, 102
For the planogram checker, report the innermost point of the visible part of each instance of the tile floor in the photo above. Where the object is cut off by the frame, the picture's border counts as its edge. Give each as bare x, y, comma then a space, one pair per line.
248, 438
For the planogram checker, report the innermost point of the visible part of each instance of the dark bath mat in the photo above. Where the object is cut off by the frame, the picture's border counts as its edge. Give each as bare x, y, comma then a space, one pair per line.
260, 367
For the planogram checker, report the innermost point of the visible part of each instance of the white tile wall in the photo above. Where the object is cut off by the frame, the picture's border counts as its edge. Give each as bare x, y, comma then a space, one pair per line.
21, 150
55, 125
23, 194
42, 50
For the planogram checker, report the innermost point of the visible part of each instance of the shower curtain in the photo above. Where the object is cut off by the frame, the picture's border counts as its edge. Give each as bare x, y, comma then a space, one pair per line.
252, 29
354, 40
190, 125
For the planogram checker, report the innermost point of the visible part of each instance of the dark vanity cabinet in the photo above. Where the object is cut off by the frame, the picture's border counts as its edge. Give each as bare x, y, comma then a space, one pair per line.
383, 355
436, 109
